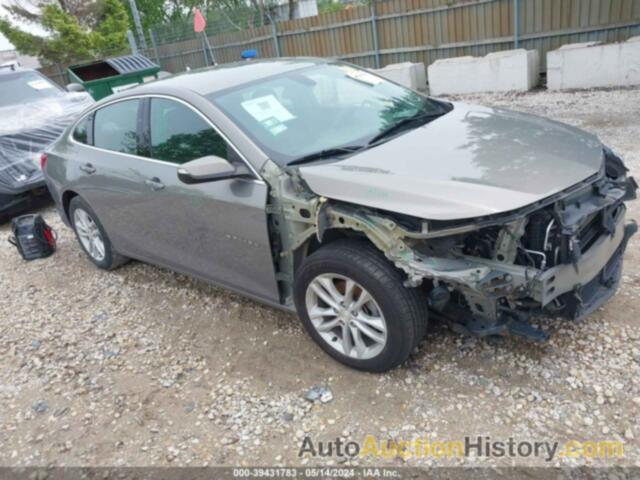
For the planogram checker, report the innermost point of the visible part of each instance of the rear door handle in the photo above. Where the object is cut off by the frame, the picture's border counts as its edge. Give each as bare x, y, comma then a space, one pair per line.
154, 183
88, 168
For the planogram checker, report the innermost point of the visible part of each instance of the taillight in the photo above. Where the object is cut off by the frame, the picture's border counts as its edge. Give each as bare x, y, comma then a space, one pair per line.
43, 160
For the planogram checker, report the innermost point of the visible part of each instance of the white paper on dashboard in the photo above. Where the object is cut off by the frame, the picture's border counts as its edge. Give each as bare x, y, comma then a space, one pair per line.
39, 84
262, 108
361, 75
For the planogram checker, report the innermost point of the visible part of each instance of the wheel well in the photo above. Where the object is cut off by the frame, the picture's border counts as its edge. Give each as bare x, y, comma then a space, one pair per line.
330, 236
66, 200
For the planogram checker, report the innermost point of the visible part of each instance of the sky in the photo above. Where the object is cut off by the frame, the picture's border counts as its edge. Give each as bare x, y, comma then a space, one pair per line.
4, 43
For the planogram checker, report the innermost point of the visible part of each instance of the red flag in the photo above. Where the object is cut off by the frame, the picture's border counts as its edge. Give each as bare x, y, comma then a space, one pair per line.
198, 21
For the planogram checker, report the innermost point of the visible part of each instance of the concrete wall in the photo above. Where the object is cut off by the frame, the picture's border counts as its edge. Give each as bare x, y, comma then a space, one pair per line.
511, 70
593, 64
411, 75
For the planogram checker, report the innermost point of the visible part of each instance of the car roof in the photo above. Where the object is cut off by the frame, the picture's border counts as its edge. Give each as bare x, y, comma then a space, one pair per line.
206, 81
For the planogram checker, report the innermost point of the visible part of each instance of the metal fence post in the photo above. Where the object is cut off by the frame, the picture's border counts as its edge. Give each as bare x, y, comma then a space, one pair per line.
154, 44
205, 54
276, 42
136, 21
516, 23
209, 48
61, 74
132, 42
274, 34
374, 34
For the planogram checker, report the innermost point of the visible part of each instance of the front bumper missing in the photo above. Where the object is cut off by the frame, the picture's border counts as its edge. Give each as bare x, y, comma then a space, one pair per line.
491, 293
568, 290
567, 278
508, 322
585, 299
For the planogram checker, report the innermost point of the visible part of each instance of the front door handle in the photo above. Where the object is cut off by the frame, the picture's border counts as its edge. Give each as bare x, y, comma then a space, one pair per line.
154, 183
88, 168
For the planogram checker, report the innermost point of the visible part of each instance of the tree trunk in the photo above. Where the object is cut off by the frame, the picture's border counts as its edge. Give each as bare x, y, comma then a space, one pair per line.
261, 9
292, 5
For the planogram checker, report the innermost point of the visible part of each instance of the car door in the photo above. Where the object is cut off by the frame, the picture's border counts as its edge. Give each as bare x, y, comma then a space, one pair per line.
109, 170
216, 230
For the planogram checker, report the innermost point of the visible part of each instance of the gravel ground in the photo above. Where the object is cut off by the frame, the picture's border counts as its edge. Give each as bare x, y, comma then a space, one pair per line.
142, 366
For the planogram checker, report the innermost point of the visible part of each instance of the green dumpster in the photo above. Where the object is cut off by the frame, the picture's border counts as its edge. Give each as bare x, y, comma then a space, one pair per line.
104, 77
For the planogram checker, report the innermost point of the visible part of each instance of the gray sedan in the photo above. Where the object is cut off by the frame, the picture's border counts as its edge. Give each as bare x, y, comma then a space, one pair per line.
368, 208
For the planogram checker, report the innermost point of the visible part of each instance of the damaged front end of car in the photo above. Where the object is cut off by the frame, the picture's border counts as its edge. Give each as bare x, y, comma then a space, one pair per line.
485, 276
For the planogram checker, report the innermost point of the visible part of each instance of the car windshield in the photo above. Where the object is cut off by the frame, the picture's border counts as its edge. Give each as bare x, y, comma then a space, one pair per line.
24, 87
320, 108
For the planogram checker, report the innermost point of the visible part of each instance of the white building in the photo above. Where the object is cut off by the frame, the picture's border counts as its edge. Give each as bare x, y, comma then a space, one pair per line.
301, 9
8, 57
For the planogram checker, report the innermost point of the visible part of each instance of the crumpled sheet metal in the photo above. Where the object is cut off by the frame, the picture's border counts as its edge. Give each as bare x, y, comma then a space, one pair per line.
26, 130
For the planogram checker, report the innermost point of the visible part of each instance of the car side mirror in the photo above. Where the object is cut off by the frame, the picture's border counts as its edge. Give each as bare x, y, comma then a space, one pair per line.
75, 87
210, 169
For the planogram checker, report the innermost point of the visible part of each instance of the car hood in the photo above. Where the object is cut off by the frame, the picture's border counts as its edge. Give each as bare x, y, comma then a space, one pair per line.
472, 162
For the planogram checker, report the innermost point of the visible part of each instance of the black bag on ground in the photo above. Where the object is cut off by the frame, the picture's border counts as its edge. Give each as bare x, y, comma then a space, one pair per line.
32, 237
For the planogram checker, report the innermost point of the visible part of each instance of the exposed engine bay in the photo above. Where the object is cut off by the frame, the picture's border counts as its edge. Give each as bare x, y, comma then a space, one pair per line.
483, 276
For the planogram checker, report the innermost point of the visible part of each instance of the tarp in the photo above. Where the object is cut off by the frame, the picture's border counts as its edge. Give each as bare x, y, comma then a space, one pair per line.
26, 130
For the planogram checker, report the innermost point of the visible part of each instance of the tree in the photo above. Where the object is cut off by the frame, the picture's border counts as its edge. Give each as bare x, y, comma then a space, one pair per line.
109, 35
28, 10
152, 12
76, 30
329, 6
174, 18
292, 7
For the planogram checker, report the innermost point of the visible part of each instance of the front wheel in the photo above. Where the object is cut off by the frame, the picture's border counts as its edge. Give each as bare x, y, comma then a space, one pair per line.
353, 303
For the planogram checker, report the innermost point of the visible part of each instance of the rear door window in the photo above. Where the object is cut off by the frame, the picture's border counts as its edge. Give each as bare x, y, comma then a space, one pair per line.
115, 127
179, 134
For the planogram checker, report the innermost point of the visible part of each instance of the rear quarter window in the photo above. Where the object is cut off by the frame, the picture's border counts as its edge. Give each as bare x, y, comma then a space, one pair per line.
82, 132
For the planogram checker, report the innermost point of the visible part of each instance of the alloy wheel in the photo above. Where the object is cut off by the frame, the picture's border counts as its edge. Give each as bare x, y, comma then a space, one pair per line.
346, 316
89, 234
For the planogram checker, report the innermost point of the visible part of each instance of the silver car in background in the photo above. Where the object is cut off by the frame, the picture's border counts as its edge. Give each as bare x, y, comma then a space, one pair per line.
34, 111
368, 208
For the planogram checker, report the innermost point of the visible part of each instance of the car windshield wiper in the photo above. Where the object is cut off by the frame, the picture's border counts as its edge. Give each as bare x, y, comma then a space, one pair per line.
328, 153
419, 118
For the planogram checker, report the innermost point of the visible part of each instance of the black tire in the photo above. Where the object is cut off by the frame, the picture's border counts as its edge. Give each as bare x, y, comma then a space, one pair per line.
111, 258
404, 309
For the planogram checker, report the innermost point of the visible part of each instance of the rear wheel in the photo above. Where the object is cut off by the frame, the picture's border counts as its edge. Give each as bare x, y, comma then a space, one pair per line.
92, 237
353, 303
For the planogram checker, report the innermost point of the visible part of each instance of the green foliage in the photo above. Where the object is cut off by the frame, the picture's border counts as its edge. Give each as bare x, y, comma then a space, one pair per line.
110, 34
172, 20
158, 13
152, 12
69, 39
329, 6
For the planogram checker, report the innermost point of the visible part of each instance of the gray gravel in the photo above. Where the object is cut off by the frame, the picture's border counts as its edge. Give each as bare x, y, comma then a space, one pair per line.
142, 366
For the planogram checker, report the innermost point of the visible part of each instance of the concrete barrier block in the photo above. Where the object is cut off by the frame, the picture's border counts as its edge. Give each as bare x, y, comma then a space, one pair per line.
594, 64
511, 70
411, 75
